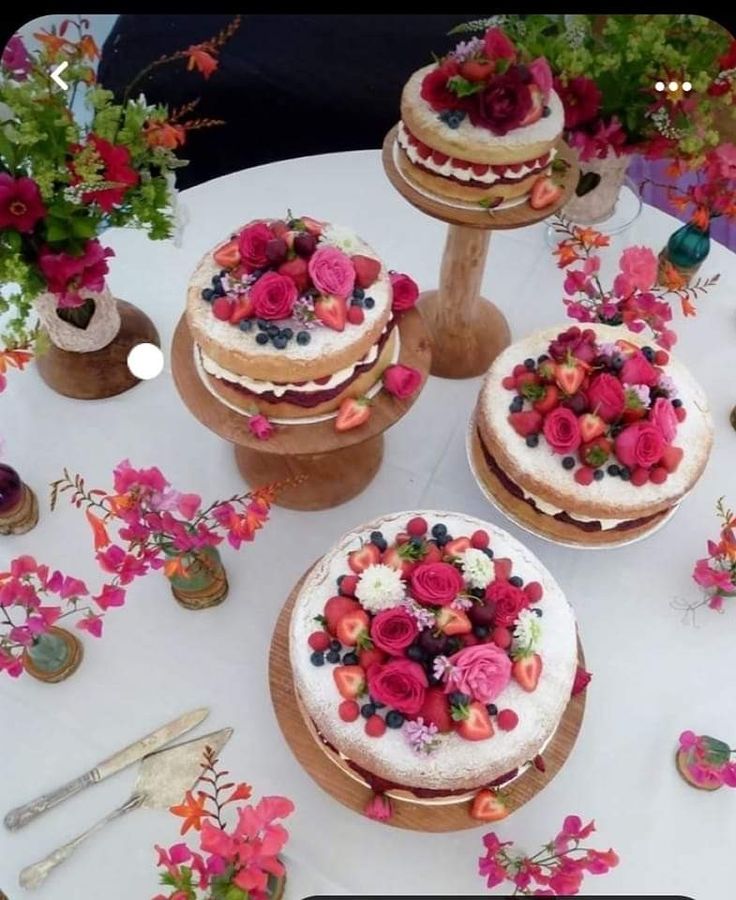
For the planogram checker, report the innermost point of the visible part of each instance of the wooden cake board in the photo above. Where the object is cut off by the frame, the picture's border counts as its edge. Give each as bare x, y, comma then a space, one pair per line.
332, 467
316, 759
467, 331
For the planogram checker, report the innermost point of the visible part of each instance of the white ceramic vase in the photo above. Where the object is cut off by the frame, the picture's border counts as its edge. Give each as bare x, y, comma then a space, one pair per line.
101, 329
598, 204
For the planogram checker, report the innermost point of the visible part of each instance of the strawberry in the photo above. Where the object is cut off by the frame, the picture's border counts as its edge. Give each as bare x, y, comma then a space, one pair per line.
585, 476
661, 358
534, 591
402, 537
350, 681
502, 568
436, 710
535, 113
544, 193
439, 157
477, 69
348, 584
591, 426
507, 719
627, 348
336, 608
570, 375
331, 311
242, 309
352, 413
480, 169
480, 539
279, 228
367, 270
375, 726
639, 476
392, 557
680, 413
298, 270
348, 710
509, 382
519, 369
370, 656
228, 255
353, 627
433, 553
222, 308
453, 621
457, 546
595, 453
672, 457
526, 423
368, 555
527, 670
658, 475
417, 527
526, 381
546, 370
319, 640
501, 637
488, 807
548, 400
474, 723
355, 315
313, 226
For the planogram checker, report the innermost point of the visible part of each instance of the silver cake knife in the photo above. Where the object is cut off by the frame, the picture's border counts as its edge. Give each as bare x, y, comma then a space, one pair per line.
22, 815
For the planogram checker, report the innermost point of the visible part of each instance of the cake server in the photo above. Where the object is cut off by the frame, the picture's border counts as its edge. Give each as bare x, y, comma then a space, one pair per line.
22, 815
163, 779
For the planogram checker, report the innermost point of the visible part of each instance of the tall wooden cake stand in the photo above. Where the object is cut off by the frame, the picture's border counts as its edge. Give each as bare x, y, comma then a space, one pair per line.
328, 467
334, 776
467, 331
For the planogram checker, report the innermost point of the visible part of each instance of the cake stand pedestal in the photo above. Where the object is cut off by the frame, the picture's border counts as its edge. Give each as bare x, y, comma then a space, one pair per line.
468, 331
326, 467
322, 764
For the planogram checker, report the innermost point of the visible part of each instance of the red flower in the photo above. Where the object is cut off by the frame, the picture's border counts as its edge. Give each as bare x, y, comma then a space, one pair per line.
638, 370
435, 90
405, 291
116, 169
641, 444
252, 244
66, 275
393, 630
20, 203
498, 45
581, 99
606, 397
401, 381
508, 600
273, 296
504, 103
435, 584
201, 60
400, 684
561, 430
582, 679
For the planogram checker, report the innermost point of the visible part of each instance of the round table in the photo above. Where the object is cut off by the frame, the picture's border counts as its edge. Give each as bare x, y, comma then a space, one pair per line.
653, 674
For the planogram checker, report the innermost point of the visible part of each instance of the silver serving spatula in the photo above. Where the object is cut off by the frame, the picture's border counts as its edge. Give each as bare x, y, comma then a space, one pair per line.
163, 779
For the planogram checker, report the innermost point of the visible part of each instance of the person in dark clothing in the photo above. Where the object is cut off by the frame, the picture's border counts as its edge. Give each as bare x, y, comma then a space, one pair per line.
286, 85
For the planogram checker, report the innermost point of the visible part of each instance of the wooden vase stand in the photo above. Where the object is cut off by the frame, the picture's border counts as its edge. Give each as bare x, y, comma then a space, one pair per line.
98, 374
24, 517
76, 654
327, 467
323, 766
468, 331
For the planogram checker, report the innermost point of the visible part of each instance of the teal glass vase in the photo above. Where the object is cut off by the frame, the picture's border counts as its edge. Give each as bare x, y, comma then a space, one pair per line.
53, 656
688, 247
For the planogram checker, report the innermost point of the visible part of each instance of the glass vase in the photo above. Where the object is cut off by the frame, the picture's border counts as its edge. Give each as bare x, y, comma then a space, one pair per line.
702, 772
53, 656
198, 579
686, 250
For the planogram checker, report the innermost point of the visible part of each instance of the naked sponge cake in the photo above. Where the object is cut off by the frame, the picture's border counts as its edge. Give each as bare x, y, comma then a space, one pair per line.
292, 316
481, 124
588, 438
433, 653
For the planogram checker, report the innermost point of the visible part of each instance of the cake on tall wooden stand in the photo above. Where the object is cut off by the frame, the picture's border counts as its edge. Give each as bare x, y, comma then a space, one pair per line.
426, 672
300, 348
478, 147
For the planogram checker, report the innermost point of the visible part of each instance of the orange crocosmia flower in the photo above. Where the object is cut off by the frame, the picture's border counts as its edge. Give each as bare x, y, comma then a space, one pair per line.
53, 43
673, 280
16, 359
120, 502
201, 60
688, 308
701, 218
164, 134
241, 792
567, 255
88, 48
192, 811
102, 538
589, 237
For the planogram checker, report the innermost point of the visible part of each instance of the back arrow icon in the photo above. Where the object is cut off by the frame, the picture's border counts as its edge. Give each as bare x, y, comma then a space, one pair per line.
56, 76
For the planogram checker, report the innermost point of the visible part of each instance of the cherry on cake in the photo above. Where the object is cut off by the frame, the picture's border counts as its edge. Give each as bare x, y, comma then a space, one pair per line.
295, 318
586, 437
433, 653
481, 125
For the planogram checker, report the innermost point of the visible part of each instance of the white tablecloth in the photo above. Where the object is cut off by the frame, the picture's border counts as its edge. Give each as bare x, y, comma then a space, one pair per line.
654, 675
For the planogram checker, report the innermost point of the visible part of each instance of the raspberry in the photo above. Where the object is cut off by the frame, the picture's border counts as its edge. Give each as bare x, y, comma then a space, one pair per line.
640, 476
533, 591
585, 475
661, 358
681, 413
658, 475
417, 526
501, 637
222, 309
375, 726
348, 585
355, 315
479, 539
348, 710
507, 720
319, 640
509, 383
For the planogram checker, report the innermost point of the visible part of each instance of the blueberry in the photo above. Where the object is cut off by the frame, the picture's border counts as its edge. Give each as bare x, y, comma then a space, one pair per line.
416, 653
648, 353
245, 324
262, 325
367, 710
377, 704
287, 333
303, 338
453, 645
441, 541
537, 611
394, 719
517, 404
439, 530
568, 462
273, 330
492, 709
279, 342
516, 581
358, 293
532, 440
335, 645
417, 543
216, 281
340, 579
614, 470
208, 294
488, 552
546, 111
356, 302
350, 659
625, 474
317, 658
540, 359
369, 303
599, 474
262, 337
677, 403
530, 364
379, 540
219, 291
617, 362
332, 656
480, 631
457, 698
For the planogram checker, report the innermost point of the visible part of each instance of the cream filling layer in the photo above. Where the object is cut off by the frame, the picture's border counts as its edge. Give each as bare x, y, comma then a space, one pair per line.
550, 510
447, 169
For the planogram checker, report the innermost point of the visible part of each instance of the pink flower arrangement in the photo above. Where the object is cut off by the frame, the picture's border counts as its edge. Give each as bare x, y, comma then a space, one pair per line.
239, 859
716, 573
66, 274
33, 598
558, 869
706, 761
634, 300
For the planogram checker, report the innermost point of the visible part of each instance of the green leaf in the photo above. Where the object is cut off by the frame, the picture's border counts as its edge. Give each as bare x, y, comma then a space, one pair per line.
461, 87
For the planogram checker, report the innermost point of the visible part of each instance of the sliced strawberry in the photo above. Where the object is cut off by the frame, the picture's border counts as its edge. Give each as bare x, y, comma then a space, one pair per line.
228, 255
368, 555
243, 309
392, 557
313, 226
544, 193
548, 400
488, 807
502, 567
319, 640
439, 157
348, 710
350, 681
527, 670
526, 423
457, 546
367, 270
477, 69
336, 608
453, 621
298, 270
371, 656
423, 150
352, 413
570, 375
596, 453
436, 709
353, 628
672, 457
331, 311
476, 724
535, 113
525, 380
461, 163
480, 168
432, 552
348, 584
627, 348
591, 426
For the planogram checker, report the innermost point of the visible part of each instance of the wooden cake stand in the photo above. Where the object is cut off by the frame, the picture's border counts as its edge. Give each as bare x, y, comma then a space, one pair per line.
331, 466
332, 776
467, 331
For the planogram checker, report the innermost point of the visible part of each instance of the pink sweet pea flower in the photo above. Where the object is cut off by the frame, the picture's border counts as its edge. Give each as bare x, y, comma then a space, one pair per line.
126, 478
92, 624
188, 504
23, 565
379, 808
598, 862
567, 877
490, 869
13, 665
638, 271
110, 595
72, 587
688, 740
66, 275
260, 427
572, 830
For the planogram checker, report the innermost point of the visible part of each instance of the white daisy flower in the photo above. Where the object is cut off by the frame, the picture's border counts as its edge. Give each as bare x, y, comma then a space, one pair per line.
380, 587
477, 568
527, 632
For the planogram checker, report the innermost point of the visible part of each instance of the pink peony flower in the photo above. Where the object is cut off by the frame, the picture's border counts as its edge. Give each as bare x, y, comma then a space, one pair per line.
379, 808
640, 444
67, 275
110, 596
561, 430
606, 397
401, 381
663, 416
405, 292
482, 672
638, 370
572, 830
260, 427
638, 271
16, 59
332, 272
21, 205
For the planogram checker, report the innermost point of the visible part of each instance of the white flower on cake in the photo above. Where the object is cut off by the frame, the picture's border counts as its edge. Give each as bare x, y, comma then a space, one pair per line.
477, 568
527, 632
341, 237
380, 587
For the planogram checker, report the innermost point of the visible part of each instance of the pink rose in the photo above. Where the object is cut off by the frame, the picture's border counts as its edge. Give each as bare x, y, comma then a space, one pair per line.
405, 291
332, 272
638, 370
66, 275
393, 630
508, 601
542, 75
498, 45
606, 397
273, 296
641, 444
663, 416
400, 684
638, 271
561, 430
435, 584
401, 381
482, 671
260, 427
252, 244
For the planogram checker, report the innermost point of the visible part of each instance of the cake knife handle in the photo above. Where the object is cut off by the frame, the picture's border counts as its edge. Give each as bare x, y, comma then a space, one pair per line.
22, 815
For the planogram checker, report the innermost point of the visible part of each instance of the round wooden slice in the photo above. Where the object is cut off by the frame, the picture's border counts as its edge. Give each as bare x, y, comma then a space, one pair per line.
24, 517
331, 466
99, 373
332, 777
76, 653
